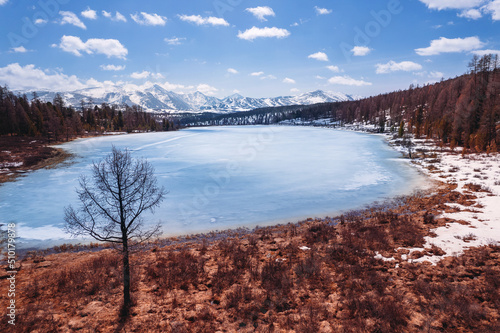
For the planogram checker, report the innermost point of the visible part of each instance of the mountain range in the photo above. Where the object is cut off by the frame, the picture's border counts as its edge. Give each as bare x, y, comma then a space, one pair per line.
157, 99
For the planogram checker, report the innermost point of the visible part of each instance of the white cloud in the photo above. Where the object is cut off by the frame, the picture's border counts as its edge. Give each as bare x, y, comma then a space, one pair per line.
141, 75
198, 20
20, 49
445, 45
294, 90
108, 47
485, 52
3, 2
89, 13
288, 80
320, 77
436, 75
30, 78
472, 14
40, 21
268, 77
348, 81
117, 18
174, 40
254, 32
333, 68
392, 66
232, 71
322, 11
71, 18
452, 4
321, 56
360, 51
206, 89
149, 19
112, 68
493, 8
256, 73
261, 12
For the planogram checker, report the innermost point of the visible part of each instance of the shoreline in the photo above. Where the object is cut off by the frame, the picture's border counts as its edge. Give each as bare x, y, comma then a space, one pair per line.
366, 270
422, 149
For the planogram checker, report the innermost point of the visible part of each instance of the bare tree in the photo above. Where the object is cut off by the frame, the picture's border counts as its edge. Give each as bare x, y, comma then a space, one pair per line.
112, 200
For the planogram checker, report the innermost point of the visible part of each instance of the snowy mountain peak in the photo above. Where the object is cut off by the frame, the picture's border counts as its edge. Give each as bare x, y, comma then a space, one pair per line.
155, 98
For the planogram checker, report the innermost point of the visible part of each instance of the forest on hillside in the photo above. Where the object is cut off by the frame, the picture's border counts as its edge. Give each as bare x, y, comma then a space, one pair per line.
55, 121
463, 111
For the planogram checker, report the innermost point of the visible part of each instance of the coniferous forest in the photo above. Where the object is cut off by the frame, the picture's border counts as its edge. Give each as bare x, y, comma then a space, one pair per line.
463, 111
55, 121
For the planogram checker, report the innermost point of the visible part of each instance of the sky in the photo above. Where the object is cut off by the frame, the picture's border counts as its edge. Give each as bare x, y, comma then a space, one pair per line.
257, 48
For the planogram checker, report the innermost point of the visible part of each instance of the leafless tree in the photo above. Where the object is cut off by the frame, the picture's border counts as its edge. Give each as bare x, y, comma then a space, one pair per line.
112, 200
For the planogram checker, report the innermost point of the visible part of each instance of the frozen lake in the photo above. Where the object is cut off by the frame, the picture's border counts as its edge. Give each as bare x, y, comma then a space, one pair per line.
223, 177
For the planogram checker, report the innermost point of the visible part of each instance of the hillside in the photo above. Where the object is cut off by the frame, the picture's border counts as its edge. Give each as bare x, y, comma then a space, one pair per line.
463, 111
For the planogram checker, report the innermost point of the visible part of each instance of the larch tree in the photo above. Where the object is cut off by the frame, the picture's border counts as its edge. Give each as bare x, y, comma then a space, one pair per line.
112, 201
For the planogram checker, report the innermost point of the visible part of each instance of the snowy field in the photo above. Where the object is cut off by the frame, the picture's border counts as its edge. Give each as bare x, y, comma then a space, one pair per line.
224, 177
482, 219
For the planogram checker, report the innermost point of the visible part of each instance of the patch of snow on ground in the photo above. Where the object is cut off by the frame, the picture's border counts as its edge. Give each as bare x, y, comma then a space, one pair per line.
483, 218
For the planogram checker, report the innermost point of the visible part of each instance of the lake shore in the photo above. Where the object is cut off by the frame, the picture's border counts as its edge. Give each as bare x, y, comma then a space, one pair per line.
424, 262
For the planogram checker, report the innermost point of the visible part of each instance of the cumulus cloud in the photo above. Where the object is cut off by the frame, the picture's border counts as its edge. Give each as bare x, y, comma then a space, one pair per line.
174, 40
256, 73
40, 21
20, 49
288, 80
485, 52
71, 18
268, 77
31, 78
232, 71
3, 2
452, 4
254, 32
322, 11
206, 89
89, 13
333, 68
108, 47
149, 19
321, 56
117, 18
198, 20
436, 75
494, 8
392, 66
294, 90
360, 51
471, 9
261, 12
145, 74
348, 81
445, 45
112, 68
472, 14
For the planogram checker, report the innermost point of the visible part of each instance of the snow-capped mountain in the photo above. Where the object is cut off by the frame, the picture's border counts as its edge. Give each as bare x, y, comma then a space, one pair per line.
157, 99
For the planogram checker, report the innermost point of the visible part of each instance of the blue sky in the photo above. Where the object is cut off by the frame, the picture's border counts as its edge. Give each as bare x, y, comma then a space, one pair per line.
257, 48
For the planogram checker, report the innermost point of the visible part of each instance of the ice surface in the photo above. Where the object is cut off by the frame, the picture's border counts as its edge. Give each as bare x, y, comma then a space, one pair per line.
224, 177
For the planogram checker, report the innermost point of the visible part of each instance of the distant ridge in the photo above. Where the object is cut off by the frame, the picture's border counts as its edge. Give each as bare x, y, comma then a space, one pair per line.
157, 99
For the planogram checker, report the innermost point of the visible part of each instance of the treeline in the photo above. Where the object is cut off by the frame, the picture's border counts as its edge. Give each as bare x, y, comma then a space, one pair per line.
56, 121
261, 116
464, 111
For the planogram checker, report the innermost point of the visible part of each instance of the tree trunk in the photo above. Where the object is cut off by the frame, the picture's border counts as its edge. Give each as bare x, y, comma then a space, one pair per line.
126, 275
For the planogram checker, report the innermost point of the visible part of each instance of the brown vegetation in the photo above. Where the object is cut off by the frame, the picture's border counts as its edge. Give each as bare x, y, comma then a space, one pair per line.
315, 276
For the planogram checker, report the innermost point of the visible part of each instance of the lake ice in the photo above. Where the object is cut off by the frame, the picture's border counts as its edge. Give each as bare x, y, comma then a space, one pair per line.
223, 177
